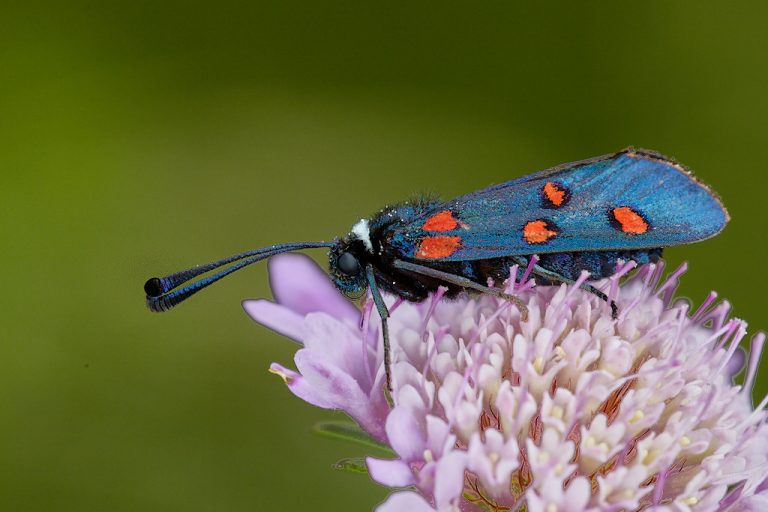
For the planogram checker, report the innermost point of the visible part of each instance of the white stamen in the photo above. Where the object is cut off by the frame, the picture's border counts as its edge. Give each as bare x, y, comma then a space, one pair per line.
363, 233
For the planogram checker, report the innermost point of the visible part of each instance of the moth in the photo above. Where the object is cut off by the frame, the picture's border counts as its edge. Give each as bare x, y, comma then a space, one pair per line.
579, 216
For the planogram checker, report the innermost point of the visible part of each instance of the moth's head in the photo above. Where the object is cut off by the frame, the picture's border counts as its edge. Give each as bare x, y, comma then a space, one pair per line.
346, 261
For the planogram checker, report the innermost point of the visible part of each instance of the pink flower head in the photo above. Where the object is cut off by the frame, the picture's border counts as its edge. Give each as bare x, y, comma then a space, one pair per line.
571, 410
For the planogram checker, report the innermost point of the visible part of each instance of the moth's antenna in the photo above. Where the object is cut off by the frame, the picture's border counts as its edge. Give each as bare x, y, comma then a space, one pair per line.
161, 291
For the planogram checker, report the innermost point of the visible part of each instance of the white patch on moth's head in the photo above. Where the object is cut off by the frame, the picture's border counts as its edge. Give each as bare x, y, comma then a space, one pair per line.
362, 232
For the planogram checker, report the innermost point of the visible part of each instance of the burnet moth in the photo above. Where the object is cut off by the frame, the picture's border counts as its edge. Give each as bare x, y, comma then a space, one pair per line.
579, 216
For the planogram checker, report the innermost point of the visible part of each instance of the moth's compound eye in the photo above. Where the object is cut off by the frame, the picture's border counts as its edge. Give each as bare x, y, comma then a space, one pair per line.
348, 264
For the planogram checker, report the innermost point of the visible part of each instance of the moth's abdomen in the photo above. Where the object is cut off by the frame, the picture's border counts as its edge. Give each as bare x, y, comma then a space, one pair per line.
569, 265
599, 264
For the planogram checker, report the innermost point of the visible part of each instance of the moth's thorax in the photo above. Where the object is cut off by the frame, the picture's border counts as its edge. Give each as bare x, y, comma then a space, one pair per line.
362, 231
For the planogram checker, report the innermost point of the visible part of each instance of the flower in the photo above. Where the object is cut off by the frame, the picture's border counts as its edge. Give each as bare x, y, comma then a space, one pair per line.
570, 410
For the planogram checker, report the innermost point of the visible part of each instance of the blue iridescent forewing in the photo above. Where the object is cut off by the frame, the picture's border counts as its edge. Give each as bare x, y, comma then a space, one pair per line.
629, 200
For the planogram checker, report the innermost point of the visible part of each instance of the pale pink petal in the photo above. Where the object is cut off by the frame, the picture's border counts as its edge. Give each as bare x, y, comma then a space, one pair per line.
577, 494
438, 434
406, 434
449, 478
335, 343
392, 473
736, 363
533, 502
300, 284
326, 382
301, 388
757, 503
406, 501
278, 318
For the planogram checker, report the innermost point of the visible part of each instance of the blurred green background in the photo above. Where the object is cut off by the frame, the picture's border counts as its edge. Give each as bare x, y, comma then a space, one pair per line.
142, 137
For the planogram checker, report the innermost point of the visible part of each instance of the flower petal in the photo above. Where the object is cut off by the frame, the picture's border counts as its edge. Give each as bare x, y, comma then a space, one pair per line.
735, 363
449, 478
326, 383
577, 494
335, 343
301, 388
392, 473
278, 318
406, 500
406, 434
298, 283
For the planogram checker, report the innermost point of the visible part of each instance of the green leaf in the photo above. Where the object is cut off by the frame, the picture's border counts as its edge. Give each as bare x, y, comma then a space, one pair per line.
347, 431
352, 465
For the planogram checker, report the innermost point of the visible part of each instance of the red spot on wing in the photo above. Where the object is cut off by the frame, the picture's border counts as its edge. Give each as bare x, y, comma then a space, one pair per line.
538, 232
442, 221
434, 247
630, 221
555, 194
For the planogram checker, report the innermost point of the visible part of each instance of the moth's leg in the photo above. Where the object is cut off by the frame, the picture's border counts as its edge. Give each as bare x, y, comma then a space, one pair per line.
383, 314
462, 282
554, 276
